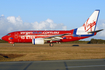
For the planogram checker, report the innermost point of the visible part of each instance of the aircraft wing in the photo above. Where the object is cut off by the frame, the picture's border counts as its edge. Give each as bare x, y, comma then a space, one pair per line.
55, 37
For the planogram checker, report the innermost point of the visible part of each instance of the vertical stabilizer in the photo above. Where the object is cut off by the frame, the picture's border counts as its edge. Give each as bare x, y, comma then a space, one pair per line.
89, 25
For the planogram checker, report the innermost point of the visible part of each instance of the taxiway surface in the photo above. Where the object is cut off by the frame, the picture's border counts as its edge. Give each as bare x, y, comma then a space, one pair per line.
90, 64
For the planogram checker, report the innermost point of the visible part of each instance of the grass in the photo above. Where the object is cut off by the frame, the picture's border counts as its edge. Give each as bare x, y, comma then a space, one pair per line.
29, 52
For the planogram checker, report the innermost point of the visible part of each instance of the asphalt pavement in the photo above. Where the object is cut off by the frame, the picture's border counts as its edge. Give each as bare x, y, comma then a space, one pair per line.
89, 64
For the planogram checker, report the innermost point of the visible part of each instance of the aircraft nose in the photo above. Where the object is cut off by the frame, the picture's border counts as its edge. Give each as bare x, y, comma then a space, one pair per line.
4, 38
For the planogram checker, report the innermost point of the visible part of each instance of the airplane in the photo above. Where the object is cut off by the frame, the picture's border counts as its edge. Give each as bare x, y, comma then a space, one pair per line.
88, 29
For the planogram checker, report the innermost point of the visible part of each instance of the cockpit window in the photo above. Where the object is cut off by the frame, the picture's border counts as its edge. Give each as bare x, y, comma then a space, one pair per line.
8, 34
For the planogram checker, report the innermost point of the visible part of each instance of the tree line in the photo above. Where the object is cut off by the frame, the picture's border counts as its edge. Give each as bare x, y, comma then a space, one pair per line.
97, 41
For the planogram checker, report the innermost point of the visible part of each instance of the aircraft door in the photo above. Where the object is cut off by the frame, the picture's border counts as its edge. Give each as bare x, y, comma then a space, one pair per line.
16, 36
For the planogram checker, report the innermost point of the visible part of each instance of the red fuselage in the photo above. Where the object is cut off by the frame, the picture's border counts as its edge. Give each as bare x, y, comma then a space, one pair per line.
27, 36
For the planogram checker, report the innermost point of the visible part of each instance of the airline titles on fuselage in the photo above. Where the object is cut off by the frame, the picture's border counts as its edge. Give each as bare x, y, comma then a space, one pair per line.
31, 35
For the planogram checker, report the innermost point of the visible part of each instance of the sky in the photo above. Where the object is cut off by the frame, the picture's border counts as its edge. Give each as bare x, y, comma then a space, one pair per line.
16, 15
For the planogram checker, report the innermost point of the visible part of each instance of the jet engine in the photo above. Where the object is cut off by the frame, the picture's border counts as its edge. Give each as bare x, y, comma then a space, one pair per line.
38, 41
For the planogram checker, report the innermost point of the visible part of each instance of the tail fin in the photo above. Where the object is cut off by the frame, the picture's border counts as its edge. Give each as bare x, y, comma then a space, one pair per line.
89, 25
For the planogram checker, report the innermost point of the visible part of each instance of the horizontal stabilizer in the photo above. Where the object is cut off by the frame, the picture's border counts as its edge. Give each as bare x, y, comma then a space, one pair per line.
96, 31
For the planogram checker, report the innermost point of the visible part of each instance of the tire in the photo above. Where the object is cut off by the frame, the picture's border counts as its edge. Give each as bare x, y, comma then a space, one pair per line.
51, 44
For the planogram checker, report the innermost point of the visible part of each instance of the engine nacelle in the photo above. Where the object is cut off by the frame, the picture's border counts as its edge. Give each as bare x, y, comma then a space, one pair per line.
38, 41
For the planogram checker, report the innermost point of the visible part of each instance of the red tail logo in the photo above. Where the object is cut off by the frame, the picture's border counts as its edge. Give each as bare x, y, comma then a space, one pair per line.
88, 26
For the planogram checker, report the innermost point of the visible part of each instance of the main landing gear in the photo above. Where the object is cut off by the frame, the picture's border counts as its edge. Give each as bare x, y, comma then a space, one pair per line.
51, 44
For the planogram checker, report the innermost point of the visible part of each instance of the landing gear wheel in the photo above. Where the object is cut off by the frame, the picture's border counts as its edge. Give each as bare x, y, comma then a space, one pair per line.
51, 44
